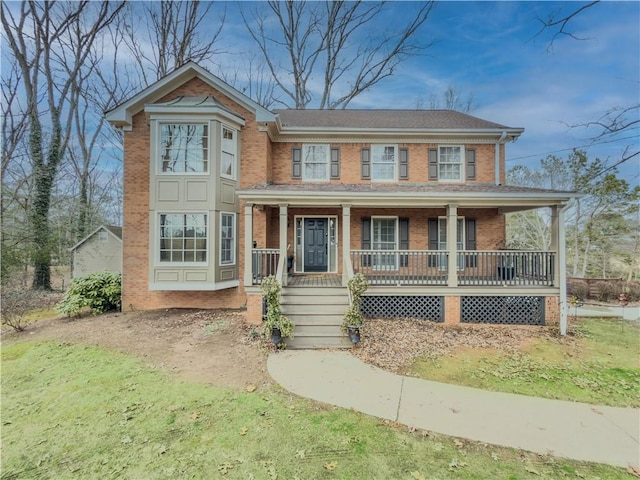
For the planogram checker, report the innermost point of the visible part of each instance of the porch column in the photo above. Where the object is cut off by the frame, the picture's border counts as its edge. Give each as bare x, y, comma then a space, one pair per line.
248, 244
283, 241
452, 245
555, 232
346, 242
562, 267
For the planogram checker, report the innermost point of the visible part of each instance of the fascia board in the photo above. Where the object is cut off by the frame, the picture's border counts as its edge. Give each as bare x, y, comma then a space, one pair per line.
492, 132
101, 227
155, 109
496, 200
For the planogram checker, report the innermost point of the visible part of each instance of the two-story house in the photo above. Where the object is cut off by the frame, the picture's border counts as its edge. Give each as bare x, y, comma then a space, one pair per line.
220, 192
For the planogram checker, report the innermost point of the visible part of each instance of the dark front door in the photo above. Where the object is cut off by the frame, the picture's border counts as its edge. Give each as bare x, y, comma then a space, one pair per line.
315, 244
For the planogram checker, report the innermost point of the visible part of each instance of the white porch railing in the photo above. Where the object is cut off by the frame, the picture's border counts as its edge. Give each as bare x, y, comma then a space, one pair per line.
264, 262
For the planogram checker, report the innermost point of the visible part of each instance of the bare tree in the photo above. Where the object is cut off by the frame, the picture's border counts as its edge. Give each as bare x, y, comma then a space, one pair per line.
175, 31
560, 22
50, 42
317, 40
450, 99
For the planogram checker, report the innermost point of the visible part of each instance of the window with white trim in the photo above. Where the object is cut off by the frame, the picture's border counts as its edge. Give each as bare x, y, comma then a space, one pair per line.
450, 163
315, 163
384, 236
383, 163
184, 148
183, 238
228, 153
103, 236
227, 239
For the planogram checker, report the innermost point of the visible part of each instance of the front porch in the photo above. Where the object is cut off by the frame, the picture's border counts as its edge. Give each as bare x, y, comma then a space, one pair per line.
422, 256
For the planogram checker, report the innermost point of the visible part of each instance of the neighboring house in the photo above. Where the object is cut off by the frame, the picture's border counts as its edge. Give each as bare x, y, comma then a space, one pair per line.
99, 251
220, 192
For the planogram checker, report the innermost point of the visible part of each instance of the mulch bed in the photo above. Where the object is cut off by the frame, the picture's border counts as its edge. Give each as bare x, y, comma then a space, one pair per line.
393, 344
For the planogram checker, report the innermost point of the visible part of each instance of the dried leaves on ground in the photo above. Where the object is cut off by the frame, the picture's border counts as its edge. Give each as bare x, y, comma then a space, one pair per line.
392, 344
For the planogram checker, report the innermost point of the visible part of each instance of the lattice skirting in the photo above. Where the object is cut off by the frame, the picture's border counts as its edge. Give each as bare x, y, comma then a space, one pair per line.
503, 310
400, 306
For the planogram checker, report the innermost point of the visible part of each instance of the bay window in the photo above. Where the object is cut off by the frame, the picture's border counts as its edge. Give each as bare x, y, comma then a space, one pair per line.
184, 148
183, 238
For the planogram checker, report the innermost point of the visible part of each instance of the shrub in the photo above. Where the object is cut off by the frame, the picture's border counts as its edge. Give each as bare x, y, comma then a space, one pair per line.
579, 289
275, 319
16, 305
608, 291
100, 292
353, 317
632, 289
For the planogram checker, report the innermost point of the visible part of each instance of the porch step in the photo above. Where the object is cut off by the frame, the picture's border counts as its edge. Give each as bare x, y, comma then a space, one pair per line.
316, 313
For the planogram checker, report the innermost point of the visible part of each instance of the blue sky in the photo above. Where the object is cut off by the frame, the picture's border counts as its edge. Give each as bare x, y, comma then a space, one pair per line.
517, 78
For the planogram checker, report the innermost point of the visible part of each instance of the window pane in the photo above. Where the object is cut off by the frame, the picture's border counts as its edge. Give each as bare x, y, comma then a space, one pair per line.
227, 233
183, 148
181, 235
315, 161
450, 163
383, 162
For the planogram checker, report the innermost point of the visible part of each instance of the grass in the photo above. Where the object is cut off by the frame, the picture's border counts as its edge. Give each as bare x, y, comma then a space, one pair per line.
75, 412
601, 367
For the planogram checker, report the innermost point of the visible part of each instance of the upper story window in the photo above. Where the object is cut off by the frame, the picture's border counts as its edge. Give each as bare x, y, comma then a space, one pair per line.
103, 236
315, 163
383, 163
183, 238
184, 148
450, 163
228, 153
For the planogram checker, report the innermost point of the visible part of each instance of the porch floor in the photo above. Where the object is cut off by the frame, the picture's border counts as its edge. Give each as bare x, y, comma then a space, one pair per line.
315, 280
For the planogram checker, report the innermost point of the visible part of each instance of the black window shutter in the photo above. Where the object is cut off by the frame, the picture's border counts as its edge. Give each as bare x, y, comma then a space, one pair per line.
296, 163
404, 241
335, 163
470, 241
471, 163
404, 164
433, 164
366, 240
366, 164
433, 240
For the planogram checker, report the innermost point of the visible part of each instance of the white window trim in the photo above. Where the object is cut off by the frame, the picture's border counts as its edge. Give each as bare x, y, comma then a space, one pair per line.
327, 163
396, 154
462, 164
103, 236
234, 165
329, 257
156, 142
396, 243
209, 237
233, 242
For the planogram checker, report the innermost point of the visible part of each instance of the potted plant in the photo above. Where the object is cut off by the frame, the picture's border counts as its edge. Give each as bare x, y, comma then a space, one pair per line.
277, 326
353, 319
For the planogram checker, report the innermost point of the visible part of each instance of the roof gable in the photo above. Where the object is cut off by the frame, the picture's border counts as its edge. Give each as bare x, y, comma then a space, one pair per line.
122, 115
114, 231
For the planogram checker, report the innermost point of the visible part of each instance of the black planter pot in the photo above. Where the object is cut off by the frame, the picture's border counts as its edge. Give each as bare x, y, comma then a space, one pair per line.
354, 334
276, 336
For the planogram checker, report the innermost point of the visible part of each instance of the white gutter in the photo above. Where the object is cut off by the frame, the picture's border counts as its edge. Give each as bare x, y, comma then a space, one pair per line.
497, 156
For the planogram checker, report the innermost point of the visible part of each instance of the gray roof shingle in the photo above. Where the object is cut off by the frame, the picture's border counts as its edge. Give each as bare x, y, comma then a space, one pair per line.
411, 119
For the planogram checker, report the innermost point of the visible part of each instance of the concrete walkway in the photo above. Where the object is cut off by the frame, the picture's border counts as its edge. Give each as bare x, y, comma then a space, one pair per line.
564, 429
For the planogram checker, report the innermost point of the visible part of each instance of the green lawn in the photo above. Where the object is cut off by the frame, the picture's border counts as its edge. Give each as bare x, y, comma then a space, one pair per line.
76, 412
602, 366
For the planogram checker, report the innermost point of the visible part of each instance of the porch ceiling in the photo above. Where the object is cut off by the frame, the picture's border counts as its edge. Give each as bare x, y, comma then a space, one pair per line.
508, 198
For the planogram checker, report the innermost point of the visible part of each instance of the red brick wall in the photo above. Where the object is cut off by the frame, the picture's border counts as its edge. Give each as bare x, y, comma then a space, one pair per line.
552, 311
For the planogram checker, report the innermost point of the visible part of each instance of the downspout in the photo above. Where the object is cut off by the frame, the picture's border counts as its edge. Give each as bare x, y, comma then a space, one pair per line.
497, 156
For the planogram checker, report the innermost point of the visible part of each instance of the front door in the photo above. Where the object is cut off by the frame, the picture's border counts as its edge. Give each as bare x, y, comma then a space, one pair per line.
315, 248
